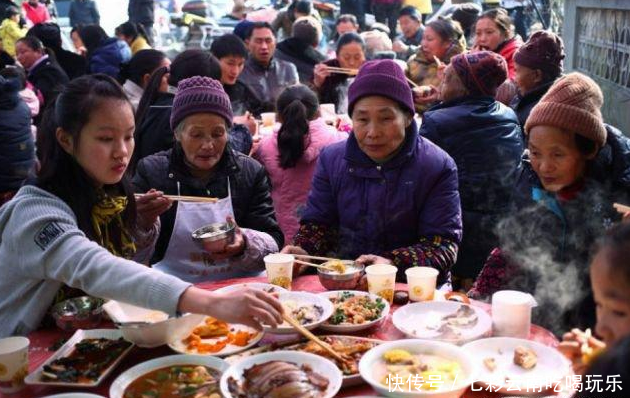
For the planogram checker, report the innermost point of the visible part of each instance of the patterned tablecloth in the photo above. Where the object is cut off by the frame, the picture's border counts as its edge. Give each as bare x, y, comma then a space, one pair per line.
42, 340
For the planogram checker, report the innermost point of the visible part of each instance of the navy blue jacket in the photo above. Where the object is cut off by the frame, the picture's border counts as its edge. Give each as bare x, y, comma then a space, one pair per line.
483, 136
84, 12
17, 149
108, 57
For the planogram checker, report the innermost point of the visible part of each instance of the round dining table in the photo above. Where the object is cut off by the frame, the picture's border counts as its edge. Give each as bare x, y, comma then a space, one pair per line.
43, 340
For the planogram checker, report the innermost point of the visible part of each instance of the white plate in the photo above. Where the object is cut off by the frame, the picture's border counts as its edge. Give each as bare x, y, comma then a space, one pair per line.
123, 381
348, 327
74, 395
348, 380
417, 320
181, 347
302, 298
373, 358
319, 365
552, 366
35, 378
267, 287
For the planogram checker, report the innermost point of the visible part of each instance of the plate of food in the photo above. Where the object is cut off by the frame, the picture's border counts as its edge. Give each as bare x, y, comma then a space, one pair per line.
418, 368
265, 287
512, 365
310, 310
350, 346
171, 376
354, 311
448, 321
74, 395
281, 374
214, 337
85, 360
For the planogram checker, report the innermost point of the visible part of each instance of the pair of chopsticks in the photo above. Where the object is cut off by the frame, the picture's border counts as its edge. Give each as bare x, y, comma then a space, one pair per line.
314, 265
306, 256
342, 71
180, 198
306, 333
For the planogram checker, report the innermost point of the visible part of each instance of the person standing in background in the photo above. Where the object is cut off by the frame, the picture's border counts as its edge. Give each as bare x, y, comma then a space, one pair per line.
35, 12
10, 30
142, 12
84, 12
516, 11
386, 12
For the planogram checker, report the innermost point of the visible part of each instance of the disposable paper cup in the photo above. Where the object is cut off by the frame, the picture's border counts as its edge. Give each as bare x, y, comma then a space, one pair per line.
512, 313
327, 111
279, 268
421, 282
382, 280
268, 119
13, 363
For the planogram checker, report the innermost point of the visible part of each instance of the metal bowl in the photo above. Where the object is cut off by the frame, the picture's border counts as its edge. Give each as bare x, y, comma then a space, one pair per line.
78, 313
214, 237
332, 280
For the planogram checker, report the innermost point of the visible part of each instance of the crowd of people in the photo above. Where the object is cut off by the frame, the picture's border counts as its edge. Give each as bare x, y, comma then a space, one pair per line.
458, 145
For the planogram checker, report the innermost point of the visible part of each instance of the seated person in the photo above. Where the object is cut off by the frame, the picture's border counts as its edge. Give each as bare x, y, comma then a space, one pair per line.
385, 191
406, 44
265, 75
301, 48
345, 23
50, 34
494, 31
472, 127
201, 163
577, 168
136, 74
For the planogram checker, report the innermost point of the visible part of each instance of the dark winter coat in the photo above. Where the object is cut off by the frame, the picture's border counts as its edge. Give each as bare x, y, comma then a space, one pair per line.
334, 90
251, 193
267, 83
523, 104
73, 64
141, 11
48, 78
484, 138
243, 100
108, 56
17, 149
84, 12
302, 55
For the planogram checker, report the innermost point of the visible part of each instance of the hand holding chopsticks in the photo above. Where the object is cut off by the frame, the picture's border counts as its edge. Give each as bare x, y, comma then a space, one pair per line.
182, 198
306, 333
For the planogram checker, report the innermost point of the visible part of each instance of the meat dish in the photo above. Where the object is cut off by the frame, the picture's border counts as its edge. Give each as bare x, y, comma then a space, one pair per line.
192, 381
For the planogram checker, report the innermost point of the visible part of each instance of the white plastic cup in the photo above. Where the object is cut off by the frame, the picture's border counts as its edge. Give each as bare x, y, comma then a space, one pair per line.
421, 282
268, 119
13, 363
328, 112
381, 280
512, 313
279, 268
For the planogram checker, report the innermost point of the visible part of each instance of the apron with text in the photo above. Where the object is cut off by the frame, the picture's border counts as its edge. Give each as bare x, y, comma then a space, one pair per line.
184, 257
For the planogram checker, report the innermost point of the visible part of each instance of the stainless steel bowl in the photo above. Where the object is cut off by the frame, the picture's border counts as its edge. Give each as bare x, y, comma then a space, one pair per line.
332, 280
214, 237
78, 313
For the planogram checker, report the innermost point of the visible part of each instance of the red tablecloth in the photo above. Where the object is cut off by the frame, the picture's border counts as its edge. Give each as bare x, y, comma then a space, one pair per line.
43, 339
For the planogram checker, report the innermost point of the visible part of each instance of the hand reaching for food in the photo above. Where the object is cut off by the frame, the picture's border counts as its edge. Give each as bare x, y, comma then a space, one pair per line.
581, 348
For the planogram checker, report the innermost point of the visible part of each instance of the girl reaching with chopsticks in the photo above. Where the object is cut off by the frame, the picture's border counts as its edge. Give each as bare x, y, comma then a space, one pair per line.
75, 229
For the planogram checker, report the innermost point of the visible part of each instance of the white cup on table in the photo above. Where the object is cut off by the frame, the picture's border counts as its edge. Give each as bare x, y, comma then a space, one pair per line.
268, 119
381, 280
279, 268
512, 313
421, 282
13, 363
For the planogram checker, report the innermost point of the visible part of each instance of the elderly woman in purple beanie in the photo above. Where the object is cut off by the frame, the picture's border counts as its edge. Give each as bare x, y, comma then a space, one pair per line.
202, 163
385, 194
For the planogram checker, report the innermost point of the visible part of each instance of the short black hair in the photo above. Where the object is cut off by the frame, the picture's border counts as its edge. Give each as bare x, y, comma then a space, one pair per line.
259, 25
48, 32
411, 12
228, 45
308, 30
16, 72
347, 18
303, 7
350, 37
11, 11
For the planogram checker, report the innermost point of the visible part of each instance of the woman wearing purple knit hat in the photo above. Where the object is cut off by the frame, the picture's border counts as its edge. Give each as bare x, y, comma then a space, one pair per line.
385, 194
577, 168
203, 164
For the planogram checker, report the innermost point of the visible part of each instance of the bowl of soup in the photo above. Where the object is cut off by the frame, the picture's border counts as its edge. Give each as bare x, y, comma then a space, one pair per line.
342, 275
418, 369
172, 376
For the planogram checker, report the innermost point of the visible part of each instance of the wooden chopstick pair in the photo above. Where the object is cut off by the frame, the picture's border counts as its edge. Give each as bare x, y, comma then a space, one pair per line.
344, 71
183, 198
320, 266
306, 333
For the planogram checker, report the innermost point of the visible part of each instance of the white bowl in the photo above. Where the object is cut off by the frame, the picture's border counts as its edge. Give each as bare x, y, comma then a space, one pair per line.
351, 328
265, 287
414, 346
302, 298
552, 366
417, 319
158, 331
319, 365
123, 381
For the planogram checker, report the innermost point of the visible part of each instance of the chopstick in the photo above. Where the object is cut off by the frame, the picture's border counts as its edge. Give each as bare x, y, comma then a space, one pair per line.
411, 82
623, 209
313, 265
588, 338
344, 71
315, 257
306, 333
182, 198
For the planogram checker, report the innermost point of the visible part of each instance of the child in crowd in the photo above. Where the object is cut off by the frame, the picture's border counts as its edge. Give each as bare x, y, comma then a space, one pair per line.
10, 30
77, 226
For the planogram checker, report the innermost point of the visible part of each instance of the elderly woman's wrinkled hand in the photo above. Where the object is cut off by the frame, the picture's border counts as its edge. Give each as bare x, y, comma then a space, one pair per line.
320, 73
236, 248
298, 269
423, 95
149, 207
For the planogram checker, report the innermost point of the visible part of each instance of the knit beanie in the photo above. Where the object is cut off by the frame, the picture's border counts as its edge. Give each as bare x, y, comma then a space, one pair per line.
544, 50
481, 72
572, 103
384, 78
200, 94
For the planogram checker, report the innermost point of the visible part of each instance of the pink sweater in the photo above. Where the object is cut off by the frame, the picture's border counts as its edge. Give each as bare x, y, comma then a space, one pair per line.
290, 187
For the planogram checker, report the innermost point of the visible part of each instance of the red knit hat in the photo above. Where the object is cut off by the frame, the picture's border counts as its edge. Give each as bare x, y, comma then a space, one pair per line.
544, 50
481, 72
573, 103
